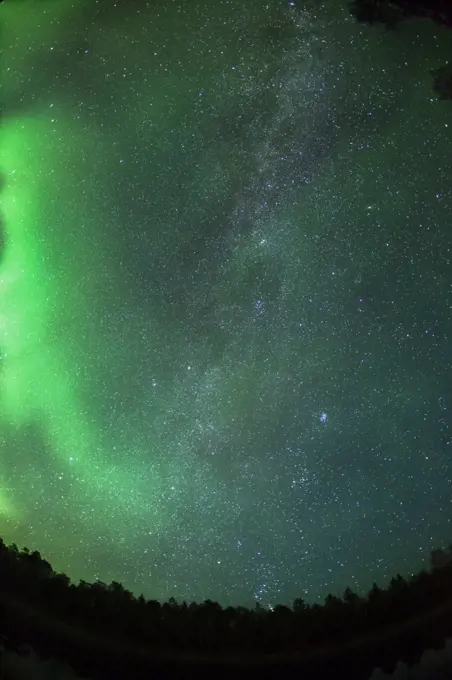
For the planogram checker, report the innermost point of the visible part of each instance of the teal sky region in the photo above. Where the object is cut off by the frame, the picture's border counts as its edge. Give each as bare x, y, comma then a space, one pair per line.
225, 296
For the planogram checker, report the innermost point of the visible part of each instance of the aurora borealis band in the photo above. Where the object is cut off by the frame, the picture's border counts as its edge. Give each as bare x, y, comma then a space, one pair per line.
226, 296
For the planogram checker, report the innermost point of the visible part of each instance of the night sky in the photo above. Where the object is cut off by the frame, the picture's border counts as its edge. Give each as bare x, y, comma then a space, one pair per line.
226, 296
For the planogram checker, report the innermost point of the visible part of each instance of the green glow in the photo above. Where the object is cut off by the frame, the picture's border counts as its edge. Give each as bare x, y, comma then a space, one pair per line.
25, 301
7, 509
43, 307
195, 270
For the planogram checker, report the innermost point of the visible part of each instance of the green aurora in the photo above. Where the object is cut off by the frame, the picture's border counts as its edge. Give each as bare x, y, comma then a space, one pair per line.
224, 312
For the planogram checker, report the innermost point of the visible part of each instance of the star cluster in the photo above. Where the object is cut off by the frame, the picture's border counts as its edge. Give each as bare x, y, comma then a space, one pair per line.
226, 296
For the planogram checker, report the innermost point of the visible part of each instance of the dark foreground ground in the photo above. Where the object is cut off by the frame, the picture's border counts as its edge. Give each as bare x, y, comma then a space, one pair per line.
101, 658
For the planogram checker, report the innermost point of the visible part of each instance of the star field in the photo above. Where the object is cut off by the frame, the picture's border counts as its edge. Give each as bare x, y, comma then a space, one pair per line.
226, 296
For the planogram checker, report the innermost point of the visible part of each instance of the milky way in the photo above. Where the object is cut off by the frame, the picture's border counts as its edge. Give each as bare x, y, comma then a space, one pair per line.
226, 296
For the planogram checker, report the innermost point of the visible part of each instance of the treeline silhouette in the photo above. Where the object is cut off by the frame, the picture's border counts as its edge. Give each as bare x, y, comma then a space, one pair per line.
392, 12
29, 584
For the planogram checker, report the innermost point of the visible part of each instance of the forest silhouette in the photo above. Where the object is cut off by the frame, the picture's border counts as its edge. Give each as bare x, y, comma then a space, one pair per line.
105, 631
102, 629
